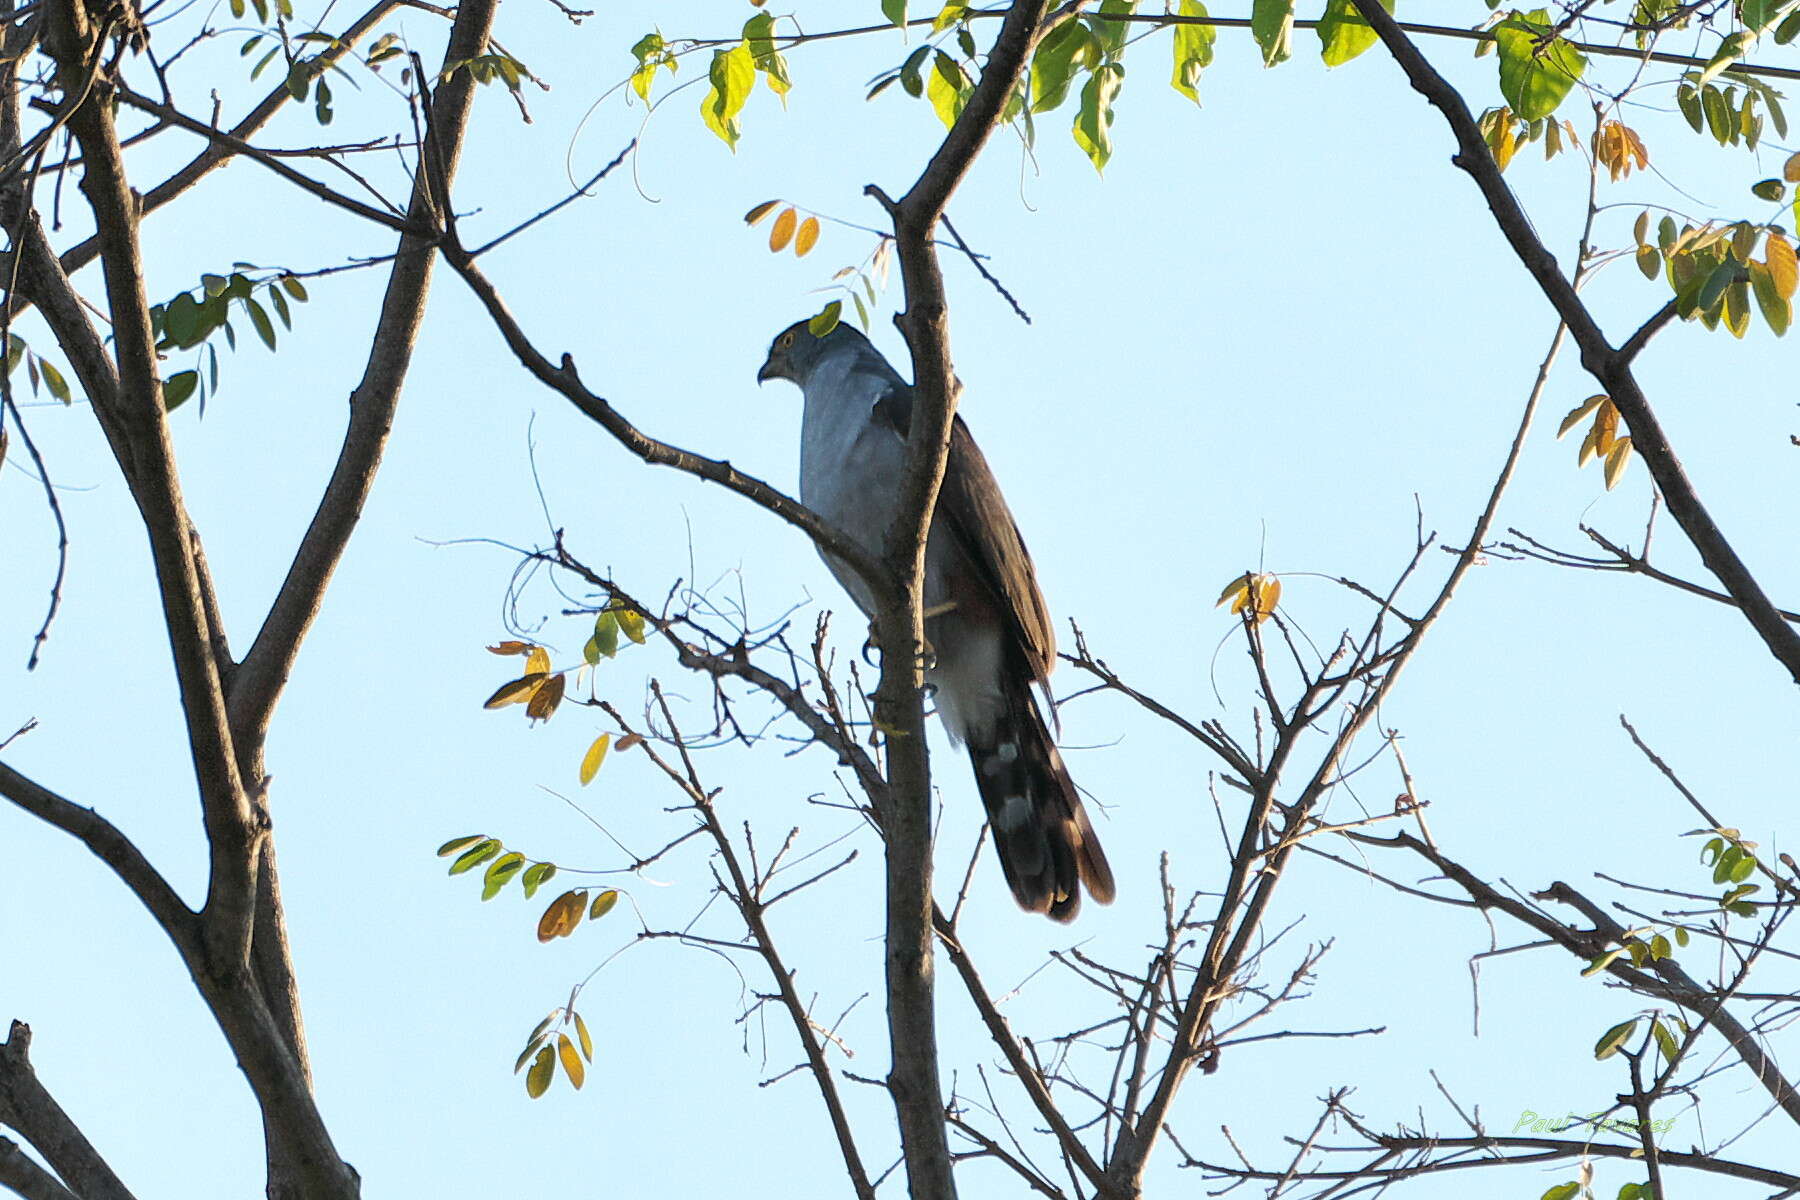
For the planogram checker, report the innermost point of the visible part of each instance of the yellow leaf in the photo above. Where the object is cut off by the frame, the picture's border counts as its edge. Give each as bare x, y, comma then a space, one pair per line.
806, 237
516, 692
1606, 427
1616, 460
537, 1080
1504, 143
1233, 588
1587, 446
783, 231
603, 904
760, 211
1579, 411
510, 647
596, 754
587, 1043
1261, 597
1790, 170
538, 662
544, 700
1779, 254
632, 623
1638, 150
571, 1061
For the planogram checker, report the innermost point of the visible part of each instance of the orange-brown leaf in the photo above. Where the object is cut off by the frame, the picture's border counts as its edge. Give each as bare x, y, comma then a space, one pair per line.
510, 647
806, 237
783, 232
562, 916
1779, 254
544, 700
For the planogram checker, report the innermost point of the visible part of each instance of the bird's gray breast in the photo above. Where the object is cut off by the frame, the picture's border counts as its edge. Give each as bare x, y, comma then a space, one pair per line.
850, 467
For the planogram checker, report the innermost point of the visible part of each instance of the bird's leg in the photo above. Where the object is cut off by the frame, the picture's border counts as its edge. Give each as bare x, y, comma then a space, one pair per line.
928, 658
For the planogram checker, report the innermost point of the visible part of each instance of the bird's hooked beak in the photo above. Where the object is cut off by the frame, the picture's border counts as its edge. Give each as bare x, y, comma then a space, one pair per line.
768, 370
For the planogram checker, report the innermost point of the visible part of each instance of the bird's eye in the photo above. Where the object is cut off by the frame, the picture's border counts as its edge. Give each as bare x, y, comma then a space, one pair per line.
787, 340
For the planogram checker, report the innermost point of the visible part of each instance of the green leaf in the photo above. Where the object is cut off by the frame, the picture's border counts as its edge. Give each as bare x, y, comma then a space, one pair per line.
1111, 35
475, 856
537, 1080
826, 319
181, 320
454, 844
53, 379
587, 1041
603, 904
536, 876
732, 75
1776, 311
947, 89
1602, 962
1769, 189
1535, 75
1343, 34
1718, 115
1563, 1191
1613, 1039
910, 78
1193, 51
265, 329
1710, 293
1687, 98
531, 1047
1093, 123
1272, 25
759, 35
1053, 67
279, 299
500, 873
894, 10
178, 388
1729, 51
1759, 16
1665, 1041
606, 633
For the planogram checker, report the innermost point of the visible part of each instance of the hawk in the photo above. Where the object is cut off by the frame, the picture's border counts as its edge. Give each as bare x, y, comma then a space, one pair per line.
986, 622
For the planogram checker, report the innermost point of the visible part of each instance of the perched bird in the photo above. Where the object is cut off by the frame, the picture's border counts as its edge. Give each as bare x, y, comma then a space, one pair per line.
989, 631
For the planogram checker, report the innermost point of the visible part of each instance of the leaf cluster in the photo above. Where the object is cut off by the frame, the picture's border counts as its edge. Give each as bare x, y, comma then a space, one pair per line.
189, 320
545, 1048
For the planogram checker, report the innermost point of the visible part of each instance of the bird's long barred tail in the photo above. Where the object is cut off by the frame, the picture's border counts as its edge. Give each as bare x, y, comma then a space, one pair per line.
1048, 849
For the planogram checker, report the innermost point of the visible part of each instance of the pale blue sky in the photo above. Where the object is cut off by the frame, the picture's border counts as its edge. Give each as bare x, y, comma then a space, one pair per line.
1276, 322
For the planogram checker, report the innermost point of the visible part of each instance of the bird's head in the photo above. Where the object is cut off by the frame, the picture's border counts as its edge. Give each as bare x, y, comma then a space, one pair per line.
796, 351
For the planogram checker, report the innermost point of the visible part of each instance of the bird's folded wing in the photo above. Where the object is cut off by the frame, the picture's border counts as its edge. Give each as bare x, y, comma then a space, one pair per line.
973, 512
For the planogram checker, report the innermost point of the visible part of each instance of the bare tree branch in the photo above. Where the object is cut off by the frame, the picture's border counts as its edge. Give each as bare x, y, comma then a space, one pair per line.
28, 1107
1611, 367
